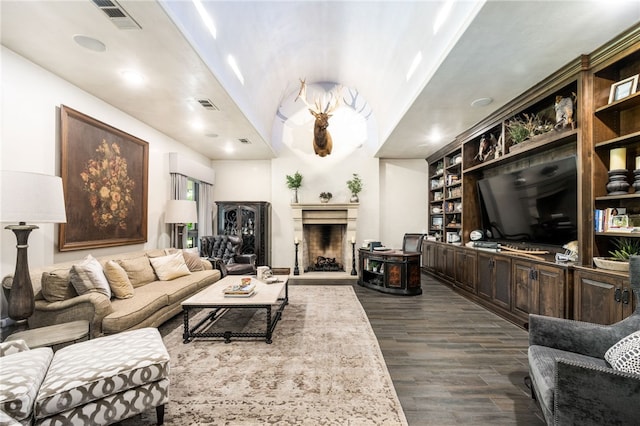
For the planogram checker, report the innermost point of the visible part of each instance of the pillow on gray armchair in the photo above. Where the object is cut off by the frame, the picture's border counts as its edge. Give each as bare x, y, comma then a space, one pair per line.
625, 354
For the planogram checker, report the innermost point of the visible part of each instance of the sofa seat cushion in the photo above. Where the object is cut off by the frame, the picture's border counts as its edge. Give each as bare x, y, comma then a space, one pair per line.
22, 374
179, 289
542, 366
92, 370
147, 300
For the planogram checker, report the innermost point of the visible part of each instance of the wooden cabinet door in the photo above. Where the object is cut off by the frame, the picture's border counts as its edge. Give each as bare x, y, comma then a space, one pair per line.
523, 287
502, 282
485, 276
441, 264
549, 293
429, 256
597, 298
450, 263
468, 270
459, 277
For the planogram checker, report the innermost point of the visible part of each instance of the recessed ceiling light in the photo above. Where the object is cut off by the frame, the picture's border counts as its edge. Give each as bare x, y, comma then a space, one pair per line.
132, 77
211, 135
480, 102
197, 125
89, 43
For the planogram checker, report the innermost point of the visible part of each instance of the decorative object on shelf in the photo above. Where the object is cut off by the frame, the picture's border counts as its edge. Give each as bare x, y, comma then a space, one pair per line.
618, 184
564, 112
355, 186
619, 260
623, 88
180, 213
520, 129
296, 269
294, 182
488, 148
27, 197
325, 197
322, 142
636, 180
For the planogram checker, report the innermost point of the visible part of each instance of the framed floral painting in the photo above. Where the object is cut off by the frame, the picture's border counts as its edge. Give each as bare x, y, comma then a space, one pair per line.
104, 175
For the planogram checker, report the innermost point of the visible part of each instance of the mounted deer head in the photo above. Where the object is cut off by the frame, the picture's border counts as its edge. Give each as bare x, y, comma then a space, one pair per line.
322, 142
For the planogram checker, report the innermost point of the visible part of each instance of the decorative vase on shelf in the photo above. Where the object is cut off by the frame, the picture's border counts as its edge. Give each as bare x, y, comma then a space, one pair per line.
324, 200
294, 196
354, 198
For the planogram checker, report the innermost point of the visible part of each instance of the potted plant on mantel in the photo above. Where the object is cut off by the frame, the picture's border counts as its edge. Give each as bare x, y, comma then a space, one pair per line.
625, 247
355, 186
293, 183
325, 197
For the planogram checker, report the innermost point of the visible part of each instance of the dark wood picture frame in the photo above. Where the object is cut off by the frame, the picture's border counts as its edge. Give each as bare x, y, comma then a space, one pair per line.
105, 178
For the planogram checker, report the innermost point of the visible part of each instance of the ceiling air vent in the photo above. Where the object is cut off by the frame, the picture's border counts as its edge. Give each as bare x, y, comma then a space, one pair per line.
245, 141
207, 104
117, 15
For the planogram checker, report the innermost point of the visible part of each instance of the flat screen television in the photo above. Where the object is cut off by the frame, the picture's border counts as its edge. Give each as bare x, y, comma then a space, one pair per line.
536, 205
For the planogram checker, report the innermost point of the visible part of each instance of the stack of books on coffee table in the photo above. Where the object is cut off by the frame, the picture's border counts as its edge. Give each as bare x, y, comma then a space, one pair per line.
240, 290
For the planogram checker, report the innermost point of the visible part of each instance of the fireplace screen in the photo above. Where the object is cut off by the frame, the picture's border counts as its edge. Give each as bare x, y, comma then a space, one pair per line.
325, 250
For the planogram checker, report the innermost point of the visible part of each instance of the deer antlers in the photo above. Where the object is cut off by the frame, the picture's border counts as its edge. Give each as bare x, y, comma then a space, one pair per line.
332, 100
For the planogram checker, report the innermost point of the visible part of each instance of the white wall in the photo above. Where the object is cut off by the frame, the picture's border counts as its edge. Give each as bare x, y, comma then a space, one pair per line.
30, 141
403, 199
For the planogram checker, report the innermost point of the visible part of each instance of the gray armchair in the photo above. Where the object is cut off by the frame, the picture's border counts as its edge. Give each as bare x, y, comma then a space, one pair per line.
570, 378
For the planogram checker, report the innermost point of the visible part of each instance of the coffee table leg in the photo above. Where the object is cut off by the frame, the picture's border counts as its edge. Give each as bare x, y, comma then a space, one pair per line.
185, 332
269, 328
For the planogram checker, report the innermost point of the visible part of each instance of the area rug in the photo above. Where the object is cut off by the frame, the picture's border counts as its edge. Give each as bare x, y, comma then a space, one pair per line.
324, 367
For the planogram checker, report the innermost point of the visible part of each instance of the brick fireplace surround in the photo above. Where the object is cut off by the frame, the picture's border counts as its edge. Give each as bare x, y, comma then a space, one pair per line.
313, 223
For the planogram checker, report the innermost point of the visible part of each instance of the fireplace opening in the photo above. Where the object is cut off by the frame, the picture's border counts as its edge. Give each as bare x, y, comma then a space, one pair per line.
324, 247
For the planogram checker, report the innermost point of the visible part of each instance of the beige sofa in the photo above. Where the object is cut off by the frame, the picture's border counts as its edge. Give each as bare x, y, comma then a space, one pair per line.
150, 301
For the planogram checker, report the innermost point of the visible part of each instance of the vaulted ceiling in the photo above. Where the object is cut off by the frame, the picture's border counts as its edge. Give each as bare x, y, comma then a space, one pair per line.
481, 49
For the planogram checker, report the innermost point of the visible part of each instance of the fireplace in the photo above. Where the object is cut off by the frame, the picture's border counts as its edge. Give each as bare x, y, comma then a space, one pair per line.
324, 247
325, 232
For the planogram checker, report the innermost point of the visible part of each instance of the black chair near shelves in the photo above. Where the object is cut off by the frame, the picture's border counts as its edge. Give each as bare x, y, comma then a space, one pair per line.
412, 242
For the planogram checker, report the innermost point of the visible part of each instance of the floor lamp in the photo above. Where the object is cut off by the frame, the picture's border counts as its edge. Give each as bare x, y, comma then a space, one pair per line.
179, 213
27, 197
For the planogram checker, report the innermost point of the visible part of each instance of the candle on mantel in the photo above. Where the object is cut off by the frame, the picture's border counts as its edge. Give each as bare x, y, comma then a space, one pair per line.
353, 239
618, 159
295, 240
638, 162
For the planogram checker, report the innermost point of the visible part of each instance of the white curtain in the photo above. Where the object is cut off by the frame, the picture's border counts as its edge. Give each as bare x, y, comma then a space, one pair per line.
205, 210
178, 192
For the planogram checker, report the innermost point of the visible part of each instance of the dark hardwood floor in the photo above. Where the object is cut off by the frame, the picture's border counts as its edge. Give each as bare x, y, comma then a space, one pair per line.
452, 362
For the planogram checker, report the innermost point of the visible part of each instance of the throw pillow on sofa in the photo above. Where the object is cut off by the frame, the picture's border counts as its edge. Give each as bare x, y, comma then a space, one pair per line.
625, 354
118, 280
170, 266
191, 258
138, 270
88, 276
56, 286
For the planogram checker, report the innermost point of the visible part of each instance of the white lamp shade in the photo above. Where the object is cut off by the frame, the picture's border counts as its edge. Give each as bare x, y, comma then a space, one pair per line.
181, 211
31, 197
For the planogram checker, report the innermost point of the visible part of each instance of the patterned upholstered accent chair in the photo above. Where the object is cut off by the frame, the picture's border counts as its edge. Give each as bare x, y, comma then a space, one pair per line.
97, 382
585, 374
224, 252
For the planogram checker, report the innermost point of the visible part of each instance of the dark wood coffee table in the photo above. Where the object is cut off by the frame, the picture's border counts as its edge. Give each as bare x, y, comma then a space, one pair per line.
266, 296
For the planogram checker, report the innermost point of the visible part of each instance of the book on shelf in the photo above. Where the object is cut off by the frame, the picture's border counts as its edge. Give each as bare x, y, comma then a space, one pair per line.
612, 219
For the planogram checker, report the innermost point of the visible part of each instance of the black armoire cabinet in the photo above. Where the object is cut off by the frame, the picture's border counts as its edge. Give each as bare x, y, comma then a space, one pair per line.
252, 221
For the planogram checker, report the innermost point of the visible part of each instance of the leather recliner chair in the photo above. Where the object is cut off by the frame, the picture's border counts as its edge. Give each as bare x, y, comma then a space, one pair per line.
224, 252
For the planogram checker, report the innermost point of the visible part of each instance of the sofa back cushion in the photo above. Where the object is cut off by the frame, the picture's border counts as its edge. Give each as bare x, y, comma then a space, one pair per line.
56, 285
170, 266
118, 279
138, 270
87, 276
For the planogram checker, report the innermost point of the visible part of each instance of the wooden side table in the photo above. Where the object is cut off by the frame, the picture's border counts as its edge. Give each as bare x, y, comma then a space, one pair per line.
68, 332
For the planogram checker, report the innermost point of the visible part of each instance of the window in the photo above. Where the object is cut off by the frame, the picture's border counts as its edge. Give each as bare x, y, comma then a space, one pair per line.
192, 228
